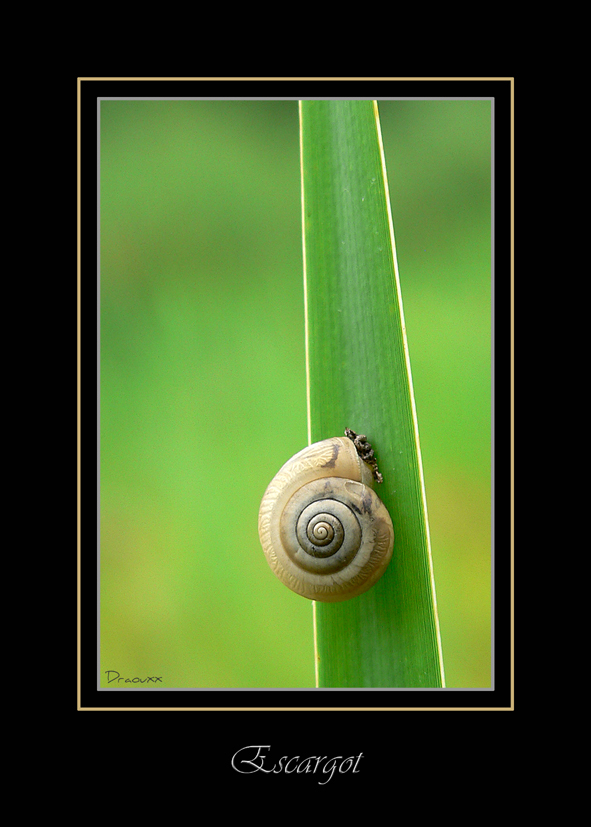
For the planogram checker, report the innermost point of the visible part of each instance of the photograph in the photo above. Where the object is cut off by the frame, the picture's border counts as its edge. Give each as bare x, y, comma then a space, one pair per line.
293, 328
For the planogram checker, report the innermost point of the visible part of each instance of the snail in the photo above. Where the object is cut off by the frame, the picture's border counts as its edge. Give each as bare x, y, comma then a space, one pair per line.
325, 532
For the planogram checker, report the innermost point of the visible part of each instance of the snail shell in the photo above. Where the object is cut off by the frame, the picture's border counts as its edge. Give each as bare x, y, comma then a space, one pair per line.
325, 532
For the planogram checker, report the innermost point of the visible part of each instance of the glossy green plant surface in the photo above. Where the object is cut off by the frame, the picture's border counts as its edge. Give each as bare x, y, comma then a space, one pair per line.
359, 377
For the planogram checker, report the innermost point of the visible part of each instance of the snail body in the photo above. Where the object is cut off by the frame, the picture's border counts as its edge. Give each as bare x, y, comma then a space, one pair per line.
324, 531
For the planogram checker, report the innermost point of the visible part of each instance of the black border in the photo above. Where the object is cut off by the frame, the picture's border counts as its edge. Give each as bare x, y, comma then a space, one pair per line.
501, 697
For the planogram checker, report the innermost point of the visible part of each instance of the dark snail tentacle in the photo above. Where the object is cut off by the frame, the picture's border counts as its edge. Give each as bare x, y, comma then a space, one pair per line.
365, 451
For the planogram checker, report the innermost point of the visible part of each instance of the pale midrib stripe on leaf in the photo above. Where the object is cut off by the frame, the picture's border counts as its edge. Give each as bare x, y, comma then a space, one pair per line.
398, 292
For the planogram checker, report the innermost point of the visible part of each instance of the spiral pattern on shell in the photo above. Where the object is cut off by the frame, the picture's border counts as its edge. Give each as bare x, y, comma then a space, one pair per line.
325, 532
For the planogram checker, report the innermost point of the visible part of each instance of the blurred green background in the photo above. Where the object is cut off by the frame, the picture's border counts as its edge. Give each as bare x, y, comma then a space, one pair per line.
203, 388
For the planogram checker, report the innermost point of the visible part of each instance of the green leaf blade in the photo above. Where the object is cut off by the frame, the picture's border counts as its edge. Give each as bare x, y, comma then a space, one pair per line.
359, 377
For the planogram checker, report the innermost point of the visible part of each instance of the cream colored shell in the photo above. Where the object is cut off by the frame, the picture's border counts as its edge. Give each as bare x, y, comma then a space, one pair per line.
324, 530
